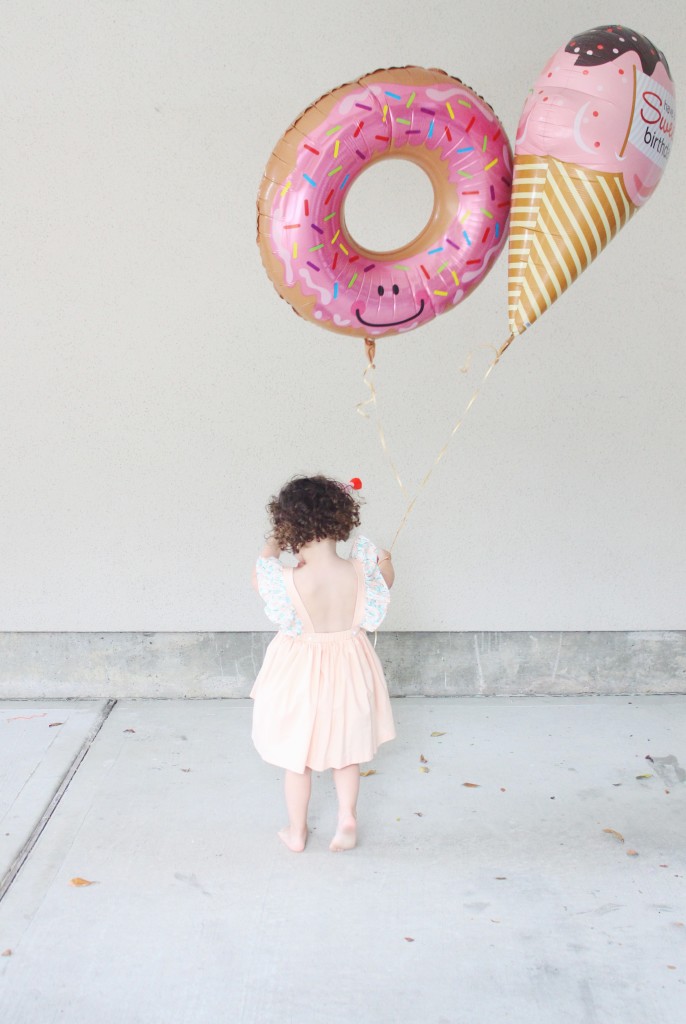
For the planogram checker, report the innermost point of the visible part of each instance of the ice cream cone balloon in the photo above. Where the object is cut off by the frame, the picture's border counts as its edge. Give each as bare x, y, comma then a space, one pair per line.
592, 143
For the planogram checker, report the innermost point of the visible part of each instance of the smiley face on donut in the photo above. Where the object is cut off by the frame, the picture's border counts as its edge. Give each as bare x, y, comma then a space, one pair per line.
410, 113
390, 309
395, 291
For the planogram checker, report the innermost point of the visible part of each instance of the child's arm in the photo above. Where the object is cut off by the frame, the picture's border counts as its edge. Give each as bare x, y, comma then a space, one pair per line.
385, 564
270, 550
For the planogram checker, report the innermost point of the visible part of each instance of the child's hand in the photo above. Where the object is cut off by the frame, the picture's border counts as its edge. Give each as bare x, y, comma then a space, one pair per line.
383, 559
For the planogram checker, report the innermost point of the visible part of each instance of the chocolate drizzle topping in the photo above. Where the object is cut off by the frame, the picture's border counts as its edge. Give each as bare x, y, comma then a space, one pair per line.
607, 42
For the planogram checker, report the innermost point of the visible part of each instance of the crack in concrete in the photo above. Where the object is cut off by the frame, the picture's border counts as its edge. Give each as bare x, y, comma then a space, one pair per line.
24, 853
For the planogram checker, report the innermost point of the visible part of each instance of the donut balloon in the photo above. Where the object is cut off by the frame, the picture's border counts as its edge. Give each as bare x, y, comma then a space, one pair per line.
401, 113
592, 143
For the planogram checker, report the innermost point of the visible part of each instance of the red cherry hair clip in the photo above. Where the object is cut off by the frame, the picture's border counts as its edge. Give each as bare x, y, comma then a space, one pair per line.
353, 485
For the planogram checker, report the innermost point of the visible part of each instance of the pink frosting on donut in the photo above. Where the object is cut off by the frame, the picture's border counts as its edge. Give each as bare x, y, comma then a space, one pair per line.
611, 117
389, 295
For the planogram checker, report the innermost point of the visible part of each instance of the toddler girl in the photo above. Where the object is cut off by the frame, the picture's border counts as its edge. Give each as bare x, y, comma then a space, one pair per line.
321, 699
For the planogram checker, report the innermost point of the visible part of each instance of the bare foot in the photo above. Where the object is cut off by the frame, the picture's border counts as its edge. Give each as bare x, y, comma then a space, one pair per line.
295, 841
346, 834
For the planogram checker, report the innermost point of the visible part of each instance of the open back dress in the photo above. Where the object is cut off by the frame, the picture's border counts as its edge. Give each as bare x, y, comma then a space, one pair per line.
321, 699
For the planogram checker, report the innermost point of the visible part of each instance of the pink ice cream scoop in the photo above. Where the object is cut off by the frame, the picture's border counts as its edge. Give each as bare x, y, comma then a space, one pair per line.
592, 144
604, 101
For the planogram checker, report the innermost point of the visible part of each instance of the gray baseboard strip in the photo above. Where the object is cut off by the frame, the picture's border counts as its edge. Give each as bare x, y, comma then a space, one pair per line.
124, 665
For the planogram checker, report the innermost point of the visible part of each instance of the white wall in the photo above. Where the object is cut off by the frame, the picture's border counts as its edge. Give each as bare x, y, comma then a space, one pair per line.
155, 390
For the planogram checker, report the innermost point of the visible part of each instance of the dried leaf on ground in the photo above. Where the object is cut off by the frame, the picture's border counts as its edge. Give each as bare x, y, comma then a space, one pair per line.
53, 724
423, 768
6, 952
129, 730
419, 814
80, 881
472, 785
646, 775
503, 790
501, 878
615, 833
436, 733
370, 771
408, 939
632, 853
423, 759
649, 758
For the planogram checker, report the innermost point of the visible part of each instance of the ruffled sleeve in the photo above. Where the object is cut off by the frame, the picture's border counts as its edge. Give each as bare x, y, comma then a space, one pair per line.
377, 594
278, 606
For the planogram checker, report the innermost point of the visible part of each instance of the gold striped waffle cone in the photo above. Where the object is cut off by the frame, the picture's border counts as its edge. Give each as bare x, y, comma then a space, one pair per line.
562, 216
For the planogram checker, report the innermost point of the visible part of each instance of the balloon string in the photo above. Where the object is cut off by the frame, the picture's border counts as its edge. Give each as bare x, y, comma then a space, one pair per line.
492, 365
368, 377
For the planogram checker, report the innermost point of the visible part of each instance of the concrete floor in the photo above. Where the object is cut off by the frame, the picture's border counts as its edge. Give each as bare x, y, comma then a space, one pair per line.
505, 901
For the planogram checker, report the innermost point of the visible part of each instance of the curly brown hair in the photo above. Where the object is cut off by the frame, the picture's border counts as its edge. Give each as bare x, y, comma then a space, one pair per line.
311, 508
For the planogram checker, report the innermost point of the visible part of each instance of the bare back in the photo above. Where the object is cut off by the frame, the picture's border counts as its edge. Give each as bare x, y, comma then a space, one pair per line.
329, 592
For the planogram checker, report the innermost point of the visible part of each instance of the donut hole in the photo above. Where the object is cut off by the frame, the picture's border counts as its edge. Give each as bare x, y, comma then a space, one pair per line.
388, 206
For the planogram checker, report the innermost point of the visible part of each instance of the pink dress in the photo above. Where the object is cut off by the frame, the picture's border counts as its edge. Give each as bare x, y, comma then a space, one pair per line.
321, 699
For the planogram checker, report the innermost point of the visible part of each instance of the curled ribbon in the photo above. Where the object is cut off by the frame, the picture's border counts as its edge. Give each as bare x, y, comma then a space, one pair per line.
371, 401
368, 377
